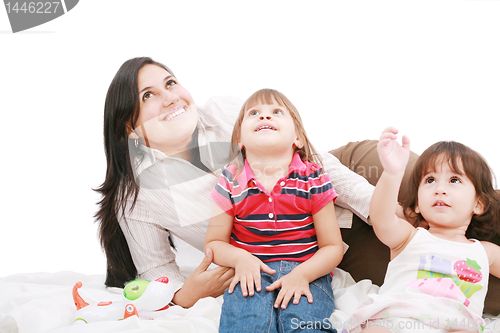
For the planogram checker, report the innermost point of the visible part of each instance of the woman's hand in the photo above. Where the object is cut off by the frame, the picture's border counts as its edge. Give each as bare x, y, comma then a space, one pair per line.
293, 285
393, 156
247, 273
204, 283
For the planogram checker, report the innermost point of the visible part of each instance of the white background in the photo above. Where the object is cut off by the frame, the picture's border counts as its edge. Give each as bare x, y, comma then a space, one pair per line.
429, 67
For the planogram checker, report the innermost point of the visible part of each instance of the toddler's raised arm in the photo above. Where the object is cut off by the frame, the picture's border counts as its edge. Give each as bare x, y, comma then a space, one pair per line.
390, 229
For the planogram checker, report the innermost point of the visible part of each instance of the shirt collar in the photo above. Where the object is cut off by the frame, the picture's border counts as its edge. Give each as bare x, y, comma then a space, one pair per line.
206, 155
247, 174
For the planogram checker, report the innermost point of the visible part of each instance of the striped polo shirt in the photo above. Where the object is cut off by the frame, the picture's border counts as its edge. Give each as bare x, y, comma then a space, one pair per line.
277, 225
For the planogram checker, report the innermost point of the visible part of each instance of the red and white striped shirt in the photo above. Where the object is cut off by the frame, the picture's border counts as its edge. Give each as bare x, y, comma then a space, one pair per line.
277, 225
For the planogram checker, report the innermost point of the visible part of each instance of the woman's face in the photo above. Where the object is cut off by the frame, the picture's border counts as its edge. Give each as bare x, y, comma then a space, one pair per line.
168, 115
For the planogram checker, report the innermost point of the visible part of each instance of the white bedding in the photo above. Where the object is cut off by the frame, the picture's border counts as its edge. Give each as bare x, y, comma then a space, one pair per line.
42, 302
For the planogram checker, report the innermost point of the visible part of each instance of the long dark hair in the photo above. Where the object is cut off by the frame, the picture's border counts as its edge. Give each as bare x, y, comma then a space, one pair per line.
460, 159
121, 112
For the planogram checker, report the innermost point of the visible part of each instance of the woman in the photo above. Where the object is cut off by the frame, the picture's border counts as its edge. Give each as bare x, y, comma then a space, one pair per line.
164, 156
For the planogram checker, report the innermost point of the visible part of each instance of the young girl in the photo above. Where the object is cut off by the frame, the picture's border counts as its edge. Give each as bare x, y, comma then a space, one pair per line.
438, 276
275, 214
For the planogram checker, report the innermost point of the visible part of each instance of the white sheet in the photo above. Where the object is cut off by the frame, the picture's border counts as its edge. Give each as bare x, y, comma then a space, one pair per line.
43, 303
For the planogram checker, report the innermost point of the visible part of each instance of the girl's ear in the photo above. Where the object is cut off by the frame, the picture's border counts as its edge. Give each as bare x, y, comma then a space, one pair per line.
417, 210
479, 208
298, 143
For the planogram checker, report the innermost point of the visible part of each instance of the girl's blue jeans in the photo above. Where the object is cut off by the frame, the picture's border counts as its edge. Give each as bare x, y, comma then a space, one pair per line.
257, 313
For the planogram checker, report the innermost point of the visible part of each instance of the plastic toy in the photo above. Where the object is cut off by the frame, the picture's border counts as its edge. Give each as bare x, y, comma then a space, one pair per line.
142, 298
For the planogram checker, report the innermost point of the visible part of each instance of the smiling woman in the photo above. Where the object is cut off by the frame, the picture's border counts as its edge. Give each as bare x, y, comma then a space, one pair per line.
140, 203
168, 115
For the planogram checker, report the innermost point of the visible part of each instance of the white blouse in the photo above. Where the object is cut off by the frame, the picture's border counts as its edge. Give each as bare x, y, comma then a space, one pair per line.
174, 194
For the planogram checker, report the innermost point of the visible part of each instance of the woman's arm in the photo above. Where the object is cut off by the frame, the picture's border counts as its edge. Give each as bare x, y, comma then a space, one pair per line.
154, 258
328, 256
204, 283
354, 191
247, 266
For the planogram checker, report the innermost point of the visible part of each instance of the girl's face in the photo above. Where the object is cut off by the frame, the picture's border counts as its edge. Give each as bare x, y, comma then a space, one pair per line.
447, 198
268, 128
168, 115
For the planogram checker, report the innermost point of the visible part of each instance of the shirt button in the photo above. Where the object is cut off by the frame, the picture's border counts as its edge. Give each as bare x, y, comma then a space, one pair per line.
271, 215
282, 183
270, 199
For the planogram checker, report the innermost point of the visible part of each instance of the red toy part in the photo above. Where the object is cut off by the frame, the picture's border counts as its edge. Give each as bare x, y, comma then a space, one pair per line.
79, 302
150, 304
163, 279
130, 311
164, 308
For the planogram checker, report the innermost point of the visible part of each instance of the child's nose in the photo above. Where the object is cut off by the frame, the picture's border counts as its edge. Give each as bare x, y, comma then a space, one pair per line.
268, 117
440, 189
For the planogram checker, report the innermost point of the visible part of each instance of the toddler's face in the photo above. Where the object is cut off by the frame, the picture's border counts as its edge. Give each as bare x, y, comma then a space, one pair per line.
447, 198
268, 128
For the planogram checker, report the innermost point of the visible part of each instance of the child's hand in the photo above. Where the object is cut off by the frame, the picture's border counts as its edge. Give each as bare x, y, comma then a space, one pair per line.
393, 156
247, 273
292, 285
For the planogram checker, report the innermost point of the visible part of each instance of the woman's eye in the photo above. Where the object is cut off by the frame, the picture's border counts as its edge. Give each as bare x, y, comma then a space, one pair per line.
146, 96
170, 83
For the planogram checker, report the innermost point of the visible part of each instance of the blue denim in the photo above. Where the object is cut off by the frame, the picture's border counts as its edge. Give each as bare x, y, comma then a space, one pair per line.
257, 313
